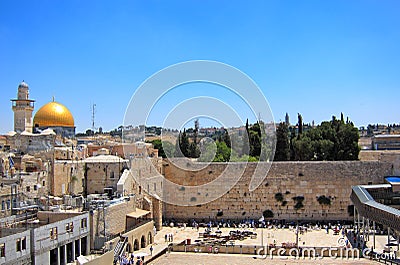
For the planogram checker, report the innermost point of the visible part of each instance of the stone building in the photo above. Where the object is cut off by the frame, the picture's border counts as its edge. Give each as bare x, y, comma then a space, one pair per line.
31, 143
386, 142
67, 178
103, 172
52, 238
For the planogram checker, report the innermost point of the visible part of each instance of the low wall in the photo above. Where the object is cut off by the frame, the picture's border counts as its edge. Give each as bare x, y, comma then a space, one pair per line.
306, 252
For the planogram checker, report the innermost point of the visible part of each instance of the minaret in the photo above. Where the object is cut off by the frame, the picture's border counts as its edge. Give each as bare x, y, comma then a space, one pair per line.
23, 108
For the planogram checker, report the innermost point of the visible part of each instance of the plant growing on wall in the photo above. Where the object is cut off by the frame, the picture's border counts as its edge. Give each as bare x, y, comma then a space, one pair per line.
268, 214
279, 197
299, 202
324, 200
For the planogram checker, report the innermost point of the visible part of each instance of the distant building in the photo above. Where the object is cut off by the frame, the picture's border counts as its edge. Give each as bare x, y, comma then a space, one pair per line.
386, 142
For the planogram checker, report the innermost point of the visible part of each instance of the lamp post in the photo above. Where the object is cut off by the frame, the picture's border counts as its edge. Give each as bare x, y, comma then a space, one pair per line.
262, 236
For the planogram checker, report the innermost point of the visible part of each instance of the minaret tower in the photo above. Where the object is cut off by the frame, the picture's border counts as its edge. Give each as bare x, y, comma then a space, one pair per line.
23, 108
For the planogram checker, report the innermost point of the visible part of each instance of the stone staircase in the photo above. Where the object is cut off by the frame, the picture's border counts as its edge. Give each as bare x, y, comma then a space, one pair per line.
119, 248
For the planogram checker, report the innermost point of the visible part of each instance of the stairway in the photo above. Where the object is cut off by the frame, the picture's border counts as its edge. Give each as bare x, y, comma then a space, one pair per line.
120, 247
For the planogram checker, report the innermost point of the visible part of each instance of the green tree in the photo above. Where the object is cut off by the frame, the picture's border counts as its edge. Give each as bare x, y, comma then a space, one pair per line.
227, 139
333, 140
300, 124
208, 150
157, 144
194, 151
168, 148
255, 140
303, 149
282, 152
223, 152
182, 145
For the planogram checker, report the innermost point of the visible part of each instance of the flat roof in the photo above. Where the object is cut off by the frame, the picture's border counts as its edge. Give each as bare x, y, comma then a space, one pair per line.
138, 213
387, 136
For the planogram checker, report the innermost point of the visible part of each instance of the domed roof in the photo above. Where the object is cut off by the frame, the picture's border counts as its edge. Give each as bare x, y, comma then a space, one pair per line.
53, 114
23, 84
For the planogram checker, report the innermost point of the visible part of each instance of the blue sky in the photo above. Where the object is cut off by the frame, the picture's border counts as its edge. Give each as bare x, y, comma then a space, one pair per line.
318, 58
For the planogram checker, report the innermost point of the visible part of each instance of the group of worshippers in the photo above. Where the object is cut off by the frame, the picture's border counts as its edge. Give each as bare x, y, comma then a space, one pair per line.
124, 260
169, 237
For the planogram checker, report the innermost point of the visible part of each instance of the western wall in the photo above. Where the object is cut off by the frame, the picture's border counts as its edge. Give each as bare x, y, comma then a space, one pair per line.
293, 180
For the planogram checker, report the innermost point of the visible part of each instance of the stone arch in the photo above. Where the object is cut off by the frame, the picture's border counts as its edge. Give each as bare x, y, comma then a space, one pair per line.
136, 245
150, 238
129, 248
143, 241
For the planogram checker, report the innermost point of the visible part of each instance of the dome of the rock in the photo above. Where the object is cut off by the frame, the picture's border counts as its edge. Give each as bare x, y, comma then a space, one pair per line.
57, 117
53, 114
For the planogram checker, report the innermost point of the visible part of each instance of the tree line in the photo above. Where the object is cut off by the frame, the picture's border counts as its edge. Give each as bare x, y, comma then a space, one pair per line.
336, 139
331, 140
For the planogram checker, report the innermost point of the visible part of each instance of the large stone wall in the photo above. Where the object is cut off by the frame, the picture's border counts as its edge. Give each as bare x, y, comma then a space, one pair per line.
307, 179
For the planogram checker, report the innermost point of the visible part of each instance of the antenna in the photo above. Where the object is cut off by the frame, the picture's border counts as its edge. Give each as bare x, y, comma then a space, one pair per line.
93, 115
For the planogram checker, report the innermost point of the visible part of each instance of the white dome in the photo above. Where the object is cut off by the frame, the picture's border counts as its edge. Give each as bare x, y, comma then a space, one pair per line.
23, 84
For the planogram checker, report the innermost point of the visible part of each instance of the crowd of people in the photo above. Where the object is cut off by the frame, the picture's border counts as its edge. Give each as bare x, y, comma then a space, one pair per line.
130, 260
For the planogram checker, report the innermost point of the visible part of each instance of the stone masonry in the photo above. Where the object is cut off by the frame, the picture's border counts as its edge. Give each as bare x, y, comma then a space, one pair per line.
292, 179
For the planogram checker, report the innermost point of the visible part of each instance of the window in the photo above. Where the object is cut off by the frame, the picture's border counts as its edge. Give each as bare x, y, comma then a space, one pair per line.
8, 204
69, 227
53, 233
23, 243
3, 205
112, 174
2, 250
84, 223
44, 183
28, 188
35, 187
18, 245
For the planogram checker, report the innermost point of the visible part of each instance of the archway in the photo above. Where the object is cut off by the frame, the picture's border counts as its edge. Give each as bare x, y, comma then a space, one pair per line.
143, 242
129, 248
136, 245
150, 238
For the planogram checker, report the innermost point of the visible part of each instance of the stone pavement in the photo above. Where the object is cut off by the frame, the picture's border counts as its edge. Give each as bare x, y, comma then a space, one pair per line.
312, 238
175, 258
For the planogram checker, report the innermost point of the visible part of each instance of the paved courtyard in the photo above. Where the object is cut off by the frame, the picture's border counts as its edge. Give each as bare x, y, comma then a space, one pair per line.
311, 238
222, 259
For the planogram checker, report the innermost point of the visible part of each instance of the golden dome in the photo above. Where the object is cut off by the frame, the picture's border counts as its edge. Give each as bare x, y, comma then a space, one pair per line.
53, 114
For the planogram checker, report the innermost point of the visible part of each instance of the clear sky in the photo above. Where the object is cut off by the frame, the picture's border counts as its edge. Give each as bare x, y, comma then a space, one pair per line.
318, 58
